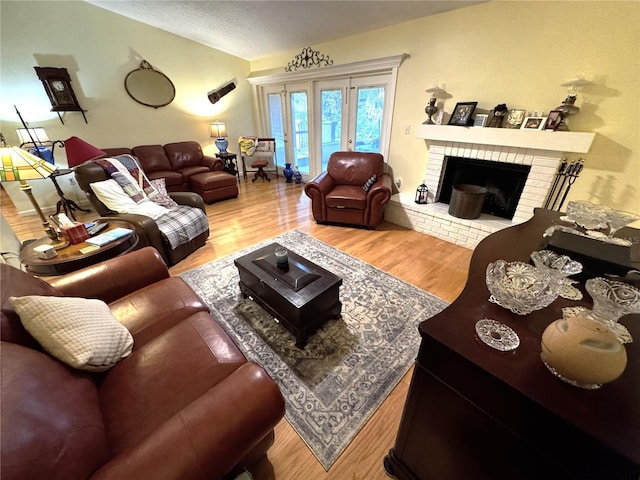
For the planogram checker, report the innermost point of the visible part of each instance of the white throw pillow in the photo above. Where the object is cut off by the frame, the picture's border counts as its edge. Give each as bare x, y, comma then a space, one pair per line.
80, 332
112, 195
115, 198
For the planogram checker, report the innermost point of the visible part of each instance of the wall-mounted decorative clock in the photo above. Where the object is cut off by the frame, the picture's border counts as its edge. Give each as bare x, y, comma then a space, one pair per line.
57, 84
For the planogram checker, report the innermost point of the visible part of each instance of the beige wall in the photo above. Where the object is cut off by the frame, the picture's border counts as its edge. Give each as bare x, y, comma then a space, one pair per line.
518, 53
99, 48
510, 52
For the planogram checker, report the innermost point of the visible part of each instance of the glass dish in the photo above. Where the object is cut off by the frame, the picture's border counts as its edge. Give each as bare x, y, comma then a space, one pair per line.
520, 287
497, 335
562, 264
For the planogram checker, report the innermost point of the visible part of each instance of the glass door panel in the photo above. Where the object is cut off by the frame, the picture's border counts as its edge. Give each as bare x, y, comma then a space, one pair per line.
369, 109
276, 125
331, 101
298, 104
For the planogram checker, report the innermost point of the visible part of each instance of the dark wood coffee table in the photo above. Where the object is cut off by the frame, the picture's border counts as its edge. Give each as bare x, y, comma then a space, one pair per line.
302, 297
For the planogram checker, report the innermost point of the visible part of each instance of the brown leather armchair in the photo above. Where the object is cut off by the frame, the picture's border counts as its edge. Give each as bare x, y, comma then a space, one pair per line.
185, 404
338, 197
145, 227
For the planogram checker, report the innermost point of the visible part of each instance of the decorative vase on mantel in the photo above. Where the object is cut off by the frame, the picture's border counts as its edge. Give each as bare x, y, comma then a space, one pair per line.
288, 172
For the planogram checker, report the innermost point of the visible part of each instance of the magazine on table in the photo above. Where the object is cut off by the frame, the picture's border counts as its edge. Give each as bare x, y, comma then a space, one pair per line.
110, 236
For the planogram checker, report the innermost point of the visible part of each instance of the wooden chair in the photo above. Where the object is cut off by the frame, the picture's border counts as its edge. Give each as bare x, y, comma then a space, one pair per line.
262, 161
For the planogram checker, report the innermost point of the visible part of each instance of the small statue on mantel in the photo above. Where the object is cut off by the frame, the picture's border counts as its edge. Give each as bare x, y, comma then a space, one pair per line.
499, 112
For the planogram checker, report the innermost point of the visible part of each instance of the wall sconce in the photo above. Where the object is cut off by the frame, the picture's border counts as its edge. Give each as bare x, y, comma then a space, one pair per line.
218, 130
422, 194
431, 109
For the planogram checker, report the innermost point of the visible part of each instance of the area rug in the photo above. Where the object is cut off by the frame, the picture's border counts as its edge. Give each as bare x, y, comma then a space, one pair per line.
350, 365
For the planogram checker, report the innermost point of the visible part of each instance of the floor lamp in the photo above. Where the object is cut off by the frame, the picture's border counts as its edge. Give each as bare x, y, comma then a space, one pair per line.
20, 165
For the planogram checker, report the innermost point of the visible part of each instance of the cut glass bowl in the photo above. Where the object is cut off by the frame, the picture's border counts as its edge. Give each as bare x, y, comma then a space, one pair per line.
521, 287
562, 264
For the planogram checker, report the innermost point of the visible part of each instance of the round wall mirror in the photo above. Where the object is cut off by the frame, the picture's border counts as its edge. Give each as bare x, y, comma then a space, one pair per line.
149, 87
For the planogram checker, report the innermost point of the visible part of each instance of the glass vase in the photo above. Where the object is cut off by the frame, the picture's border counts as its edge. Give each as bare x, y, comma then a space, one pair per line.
611, 300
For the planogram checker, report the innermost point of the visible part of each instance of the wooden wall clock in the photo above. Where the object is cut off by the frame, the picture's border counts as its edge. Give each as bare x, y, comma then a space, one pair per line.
57, 84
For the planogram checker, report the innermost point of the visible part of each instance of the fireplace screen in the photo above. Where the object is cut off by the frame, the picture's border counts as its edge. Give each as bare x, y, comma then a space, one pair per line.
504, 182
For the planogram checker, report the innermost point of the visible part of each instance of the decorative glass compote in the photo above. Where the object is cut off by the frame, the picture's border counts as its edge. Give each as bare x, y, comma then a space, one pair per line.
595, 218
617, 220
587, 215
612, 300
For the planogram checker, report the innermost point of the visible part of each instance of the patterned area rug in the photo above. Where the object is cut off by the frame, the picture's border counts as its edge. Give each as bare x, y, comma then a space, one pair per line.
350, 365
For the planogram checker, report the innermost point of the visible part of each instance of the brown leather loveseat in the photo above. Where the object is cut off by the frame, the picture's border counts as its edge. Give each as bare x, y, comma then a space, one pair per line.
182, 165
185, 404
352, 191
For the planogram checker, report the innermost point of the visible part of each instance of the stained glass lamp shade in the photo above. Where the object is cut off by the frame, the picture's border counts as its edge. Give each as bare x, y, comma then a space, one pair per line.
18, 165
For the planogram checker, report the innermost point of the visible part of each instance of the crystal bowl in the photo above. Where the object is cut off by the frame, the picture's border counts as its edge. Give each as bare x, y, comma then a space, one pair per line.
521, 287
563, 264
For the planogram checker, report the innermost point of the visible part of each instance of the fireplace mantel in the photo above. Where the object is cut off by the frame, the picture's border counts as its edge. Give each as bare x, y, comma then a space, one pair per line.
575, 142
540, 149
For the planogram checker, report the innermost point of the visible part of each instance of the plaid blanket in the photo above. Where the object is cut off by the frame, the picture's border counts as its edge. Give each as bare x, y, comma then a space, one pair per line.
182, 224
179, 224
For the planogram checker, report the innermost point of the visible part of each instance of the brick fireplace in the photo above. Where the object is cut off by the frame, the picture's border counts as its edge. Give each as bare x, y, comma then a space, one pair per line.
541, 150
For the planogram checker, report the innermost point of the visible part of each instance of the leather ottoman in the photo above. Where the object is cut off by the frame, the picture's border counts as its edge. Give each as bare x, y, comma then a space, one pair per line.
214, 186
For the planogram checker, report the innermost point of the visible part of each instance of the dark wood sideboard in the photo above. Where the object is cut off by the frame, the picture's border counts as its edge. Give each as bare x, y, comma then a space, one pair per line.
473, 412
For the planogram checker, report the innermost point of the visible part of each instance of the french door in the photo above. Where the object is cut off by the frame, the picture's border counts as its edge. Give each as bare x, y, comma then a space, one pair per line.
288, 122
313, 114
353, 115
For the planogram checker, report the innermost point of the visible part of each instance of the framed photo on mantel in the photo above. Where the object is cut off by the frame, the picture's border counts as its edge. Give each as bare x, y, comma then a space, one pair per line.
515, 118
463, 114
534, 123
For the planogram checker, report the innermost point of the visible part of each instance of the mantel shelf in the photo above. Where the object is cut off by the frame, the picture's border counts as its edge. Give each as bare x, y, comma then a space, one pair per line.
576, 142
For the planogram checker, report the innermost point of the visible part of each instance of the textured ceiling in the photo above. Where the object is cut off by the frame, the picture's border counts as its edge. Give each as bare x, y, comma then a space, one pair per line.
255, 29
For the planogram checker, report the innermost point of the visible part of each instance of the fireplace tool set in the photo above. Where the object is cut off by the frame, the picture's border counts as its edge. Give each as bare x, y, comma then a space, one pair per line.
566, 176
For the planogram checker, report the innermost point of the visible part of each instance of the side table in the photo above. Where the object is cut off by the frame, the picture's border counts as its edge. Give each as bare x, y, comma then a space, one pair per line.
230, 165
68, 206
71, 258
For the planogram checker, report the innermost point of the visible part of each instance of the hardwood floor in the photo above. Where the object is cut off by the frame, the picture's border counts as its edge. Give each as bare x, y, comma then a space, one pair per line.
266, 209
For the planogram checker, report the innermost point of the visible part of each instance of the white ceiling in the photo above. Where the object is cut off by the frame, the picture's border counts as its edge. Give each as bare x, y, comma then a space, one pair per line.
256, 29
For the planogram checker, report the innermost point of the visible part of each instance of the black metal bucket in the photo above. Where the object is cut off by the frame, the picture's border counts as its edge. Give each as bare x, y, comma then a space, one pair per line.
467, 201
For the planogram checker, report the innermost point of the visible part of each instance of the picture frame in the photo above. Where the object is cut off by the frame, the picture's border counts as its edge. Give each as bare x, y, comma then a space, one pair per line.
463, 114
553, 120
534, 123
515, 118
480, 120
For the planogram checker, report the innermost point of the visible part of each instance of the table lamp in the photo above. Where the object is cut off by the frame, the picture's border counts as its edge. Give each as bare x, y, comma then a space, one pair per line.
20, 165
79, 151
568, 106
431, 109
219, 132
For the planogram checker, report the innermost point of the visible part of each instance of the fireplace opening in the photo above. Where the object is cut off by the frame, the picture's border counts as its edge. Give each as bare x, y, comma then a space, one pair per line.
504, 182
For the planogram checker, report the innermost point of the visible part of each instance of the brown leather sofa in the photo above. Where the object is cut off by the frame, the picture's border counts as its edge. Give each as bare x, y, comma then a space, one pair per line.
338, 197
185, 404
178, 163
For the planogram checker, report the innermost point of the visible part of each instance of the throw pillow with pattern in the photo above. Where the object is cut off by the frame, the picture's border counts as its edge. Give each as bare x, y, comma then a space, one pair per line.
369, 183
